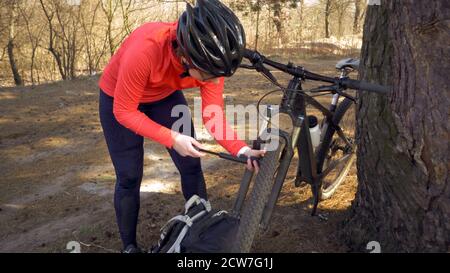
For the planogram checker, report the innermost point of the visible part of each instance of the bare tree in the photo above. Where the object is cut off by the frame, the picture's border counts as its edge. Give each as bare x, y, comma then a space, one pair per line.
301, 18
359, 12
95, 46
342, 8
258, 13
277, 15
110, 7
277, 19
12, 5
34, 33
63, 23
328, 10
51, 41
86, 35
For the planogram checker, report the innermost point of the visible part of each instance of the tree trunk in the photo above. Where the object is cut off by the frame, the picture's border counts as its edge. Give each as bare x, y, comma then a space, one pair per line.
341, 8
357, 17
33, 56
268, 42
340, 24
278, 22
258, 12
12, 60
301, 15
33, 39
403, 197
327, 18
52, 36
109, 11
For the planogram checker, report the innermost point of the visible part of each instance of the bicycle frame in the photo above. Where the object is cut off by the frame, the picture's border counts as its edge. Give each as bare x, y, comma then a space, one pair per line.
294, 105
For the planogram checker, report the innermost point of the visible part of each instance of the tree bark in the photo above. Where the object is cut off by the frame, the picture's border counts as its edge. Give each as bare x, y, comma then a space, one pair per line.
357, 17
33, 37
110, 11
51, 48
327, 18
301, 15
403, 197
278, 22
12, 59
341, 8
258, 12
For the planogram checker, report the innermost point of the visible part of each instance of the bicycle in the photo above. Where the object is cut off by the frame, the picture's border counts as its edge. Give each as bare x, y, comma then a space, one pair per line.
324, 168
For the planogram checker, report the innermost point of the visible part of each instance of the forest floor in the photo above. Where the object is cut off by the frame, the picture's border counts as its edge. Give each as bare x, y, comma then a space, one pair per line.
57, 179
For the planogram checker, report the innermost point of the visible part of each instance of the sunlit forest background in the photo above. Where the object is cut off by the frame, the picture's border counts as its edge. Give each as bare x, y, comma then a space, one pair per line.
49, 40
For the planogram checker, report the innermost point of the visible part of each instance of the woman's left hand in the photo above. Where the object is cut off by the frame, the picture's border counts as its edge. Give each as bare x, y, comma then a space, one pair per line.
253, 165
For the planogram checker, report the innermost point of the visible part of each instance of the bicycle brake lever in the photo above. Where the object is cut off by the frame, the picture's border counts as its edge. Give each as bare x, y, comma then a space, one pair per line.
264, 70
335, 89
247, 66
325, 88
257, 61
340, 92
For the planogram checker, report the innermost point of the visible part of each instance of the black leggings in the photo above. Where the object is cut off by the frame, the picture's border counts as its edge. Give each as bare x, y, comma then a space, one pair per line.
127, 154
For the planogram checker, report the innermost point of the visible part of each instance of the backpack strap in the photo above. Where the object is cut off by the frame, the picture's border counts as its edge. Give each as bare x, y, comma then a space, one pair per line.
176, 246
195, 209
196, 200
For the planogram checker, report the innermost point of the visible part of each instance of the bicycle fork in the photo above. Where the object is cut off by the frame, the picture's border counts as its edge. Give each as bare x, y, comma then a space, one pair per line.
300, 137
248, 175
285, 159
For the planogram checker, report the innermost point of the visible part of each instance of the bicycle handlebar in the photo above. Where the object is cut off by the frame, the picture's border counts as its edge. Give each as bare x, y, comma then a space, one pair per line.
362, 85
258, 60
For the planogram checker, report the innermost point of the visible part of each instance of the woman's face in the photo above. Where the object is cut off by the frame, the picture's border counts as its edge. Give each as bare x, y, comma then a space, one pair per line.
203, 77
200, 75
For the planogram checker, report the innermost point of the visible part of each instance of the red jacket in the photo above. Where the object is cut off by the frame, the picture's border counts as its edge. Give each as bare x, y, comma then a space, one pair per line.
145, 69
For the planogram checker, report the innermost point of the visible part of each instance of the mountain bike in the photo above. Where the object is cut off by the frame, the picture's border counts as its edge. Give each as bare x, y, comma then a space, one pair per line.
323, 167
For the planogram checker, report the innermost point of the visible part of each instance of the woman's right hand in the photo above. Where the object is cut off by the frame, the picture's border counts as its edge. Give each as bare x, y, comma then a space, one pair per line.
184, 145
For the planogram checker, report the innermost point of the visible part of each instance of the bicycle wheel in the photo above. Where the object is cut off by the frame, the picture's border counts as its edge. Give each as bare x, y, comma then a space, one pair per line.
334, 155
253, 210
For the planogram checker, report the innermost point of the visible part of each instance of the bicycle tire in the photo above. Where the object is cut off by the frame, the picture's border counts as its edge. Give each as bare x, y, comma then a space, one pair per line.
324, 148
253, 210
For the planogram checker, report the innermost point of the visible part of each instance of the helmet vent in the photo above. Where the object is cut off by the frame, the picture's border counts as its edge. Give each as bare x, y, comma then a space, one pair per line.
211, 37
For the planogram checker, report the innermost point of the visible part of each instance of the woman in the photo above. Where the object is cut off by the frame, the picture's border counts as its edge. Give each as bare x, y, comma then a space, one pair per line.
141, 85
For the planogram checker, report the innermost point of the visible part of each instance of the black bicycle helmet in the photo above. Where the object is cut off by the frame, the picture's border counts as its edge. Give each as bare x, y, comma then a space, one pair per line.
211, 38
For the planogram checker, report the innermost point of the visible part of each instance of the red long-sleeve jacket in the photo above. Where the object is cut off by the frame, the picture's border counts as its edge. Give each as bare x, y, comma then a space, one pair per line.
146, 69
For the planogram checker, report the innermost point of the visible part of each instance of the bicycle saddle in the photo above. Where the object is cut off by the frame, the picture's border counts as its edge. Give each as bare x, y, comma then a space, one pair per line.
348, 63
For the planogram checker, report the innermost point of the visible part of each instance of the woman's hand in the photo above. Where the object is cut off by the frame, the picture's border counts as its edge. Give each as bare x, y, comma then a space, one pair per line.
253, 165
184, 145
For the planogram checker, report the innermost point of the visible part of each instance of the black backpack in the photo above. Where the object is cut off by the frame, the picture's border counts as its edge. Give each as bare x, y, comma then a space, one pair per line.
198, 230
